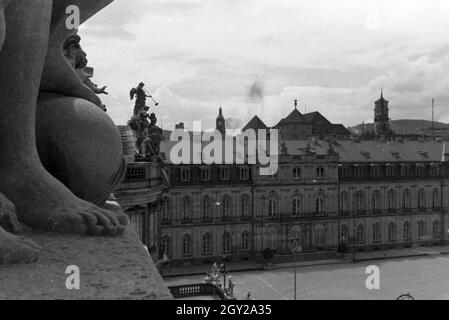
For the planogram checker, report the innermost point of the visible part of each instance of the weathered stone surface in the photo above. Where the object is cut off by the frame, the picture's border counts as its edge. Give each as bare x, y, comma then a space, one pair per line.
80, 145
109, 269
13, 249
41, 201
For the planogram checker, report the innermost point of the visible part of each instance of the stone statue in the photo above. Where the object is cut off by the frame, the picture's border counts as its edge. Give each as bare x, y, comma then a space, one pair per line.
44, 105
151, 146
231, 286
78, 59
141, 98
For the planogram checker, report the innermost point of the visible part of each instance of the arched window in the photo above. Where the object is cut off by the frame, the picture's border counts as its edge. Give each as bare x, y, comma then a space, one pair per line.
245, 241
436, 199
207, 244
406, 200
297, 206
226, 244
421, 199
360, 237
344, 202
272, 207
376, 201
320, 209
406, 231
436, 229
187, 246
166, 245
392, 232
391, 200
344, 233
244, 206
376, 232
225, 207
359, 202
186, 210
206, 209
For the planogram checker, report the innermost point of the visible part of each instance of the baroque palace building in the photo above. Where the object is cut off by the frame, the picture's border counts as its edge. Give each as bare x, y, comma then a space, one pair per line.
329, 190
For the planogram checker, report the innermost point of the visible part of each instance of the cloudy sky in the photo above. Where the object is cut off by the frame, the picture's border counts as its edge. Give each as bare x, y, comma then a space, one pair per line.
257, 56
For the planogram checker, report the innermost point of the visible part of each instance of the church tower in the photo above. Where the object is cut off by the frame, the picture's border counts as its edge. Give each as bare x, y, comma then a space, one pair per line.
381, 117
221, 123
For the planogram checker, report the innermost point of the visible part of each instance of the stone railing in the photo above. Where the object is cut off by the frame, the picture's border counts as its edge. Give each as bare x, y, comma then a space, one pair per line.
198, 290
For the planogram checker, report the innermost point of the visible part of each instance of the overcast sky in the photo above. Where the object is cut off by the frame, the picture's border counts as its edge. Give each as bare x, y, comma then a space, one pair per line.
257, 56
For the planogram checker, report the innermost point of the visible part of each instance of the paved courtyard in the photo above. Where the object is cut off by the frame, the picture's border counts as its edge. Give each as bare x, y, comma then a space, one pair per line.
422, 277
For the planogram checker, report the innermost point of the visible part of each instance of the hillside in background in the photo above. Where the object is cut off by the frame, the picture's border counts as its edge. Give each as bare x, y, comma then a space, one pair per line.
402, 126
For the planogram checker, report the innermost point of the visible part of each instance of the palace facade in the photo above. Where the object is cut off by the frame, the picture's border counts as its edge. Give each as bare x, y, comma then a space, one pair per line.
328, 192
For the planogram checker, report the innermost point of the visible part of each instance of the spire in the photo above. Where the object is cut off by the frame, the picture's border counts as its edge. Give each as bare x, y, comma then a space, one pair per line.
296, 104
381, 92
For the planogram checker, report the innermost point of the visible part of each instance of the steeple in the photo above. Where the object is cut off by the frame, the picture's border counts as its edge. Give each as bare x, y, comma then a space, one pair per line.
221, 122
381, 116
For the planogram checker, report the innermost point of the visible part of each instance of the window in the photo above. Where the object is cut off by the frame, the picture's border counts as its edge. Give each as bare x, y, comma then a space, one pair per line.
186, 210
297, 174
244, 206
244, 174
344, 233
166, 245
421, 199
392, 234
421, 230
205, 174
406, 231
206, 209
391, 200
320, 236
436, 229
185, 174
206, 245
187, 246
225, 207
376, 233
297, 206
359, 202
436, 199
376, 201
226, 244
245, 242
319, 205
272, 207
166, 211
406, 200
360, 237
344, 207
320, 172
225, 174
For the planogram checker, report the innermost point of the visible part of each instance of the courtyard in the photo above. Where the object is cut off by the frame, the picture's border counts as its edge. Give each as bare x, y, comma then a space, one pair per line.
423, 277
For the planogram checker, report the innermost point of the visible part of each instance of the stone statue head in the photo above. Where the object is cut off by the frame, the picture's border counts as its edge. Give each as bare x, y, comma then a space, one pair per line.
153, 119
74, 53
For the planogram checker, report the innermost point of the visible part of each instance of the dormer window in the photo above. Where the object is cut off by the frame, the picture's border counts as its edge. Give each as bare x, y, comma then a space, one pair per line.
320, 172
297, 174
185, 175
225, 174
205, 174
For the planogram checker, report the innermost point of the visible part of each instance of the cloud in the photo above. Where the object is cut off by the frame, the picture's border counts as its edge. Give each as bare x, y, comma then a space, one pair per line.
332, 56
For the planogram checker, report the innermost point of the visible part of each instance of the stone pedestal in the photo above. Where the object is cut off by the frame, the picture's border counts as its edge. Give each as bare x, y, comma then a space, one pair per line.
110, 268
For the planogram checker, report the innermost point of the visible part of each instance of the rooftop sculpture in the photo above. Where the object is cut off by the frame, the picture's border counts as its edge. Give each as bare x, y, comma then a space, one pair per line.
60, 154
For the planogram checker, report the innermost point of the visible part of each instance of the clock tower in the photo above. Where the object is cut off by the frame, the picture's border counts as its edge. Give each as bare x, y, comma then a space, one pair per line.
221, 123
